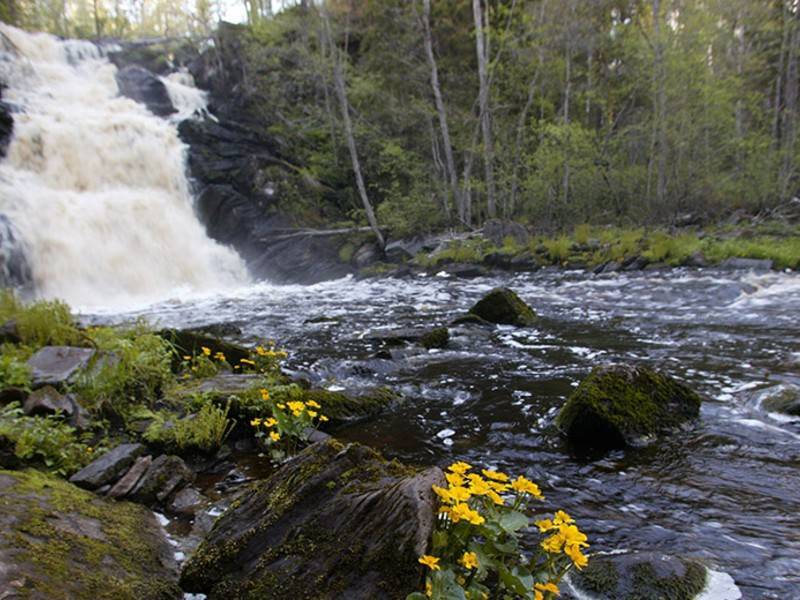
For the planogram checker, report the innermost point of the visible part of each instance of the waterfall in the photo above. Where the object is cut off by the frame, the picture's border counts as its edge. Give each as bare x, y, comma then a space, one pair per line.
95, 184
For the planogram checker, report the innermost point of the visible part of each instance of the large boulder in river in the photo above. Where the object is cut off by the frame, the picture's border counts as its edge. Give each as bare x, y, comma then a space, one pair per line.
637, 575
60, 542
334, 522
505, 307
620, 405
139, 84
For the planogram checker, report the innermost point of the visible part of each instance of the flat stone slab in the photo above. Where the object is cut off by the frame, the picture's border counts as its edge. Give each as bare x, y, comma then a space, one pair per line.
58, 365
109, 467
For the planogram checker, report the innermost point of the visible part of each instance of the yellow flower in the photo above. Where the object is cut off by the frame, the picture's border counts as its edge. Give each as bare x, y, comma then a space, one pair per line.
220, 356
454, 479
274, 436
462, 512
545, 525
281, 406
547, 587
537, 595
573, 536
526, 486
312, 413
264, 394
459, 467
479, 487
428, 588
270, 422
247, 361
469, 560
460, 494
553, 544
90, 449
562, 518
498, 487
442, 493
256, 422
323, 418
496, 475
296, 407
313, 404
187, 357
429, 561
578, 558
206, 351
496, 498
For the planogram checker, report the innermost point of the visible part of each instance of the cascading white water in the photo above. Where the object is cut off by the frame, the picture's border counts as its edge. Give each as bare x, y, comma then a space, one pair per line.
95, 184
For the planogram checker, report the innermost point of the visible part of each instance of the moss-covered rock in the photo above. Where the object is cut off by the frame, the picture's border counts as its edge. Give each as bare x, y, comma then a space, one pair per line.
505, 307
782, 399
334, 522
435, 338
619, 405
188, 342
58, 541
346, 406
641, 576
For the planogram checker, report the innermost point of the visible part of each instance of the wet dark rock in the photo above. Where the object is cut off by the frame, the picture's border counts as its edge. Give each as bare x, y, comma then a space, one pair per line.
524, 263
9, 334
436, 338
140, 85
752, 264
13, 394
219, 330
58, 541
188, 342
783, 399
163, 477
58, 365
504, 306
497, 260
131, 477
620, 405
462, 270
346, 405
6, 126
498, 230
336, 514
369, 253
322, 319
108, 467
8, 456
397, 252
641, 575
470, 319
47, 401
634, 263
187, 501
15, 270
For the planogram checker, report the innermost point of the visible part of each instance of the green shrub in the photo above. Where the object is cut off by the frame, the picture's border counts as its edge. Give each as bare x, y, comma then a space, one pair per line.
42, 323
135, 368
13, 372
48, 441
558, 248
204, 431
582, 233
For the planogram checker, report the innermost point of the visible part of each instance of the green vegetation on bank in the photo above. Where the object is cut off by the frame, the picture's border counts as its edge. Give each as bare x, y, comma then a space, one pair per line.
593, 246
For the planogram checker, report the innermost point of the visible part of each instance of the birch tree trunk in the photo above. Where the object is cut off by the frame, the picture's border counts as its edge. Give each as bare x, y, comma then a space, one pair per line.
485, 116
450, 163
341, 92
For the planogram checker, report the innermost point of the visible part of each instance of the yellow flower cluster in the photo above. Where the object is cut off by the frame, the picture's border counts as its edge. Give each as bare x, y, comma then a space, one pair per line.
540, 588
566, 538
270, 352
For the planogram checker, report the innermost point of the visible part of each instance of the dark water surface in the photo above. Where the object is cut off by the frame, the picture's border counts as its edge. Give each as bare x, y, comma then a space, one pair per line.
727, 491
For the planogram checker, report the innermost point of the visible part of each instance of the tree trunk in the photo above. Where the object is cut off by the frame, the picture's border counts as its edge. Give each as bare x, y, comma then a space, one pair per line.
789, 133
658, 146
450, 163
341, 92
485, 116
565, 112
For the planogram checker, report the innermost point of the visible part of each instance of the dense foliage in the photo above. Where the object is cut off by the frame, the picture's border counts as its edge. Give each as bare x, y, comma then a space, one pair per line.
609, 111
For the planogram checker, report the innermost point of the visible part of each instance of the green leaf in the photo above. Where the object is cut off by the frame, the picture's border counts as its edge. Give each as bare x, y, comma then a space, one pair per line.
513, 521
416, 596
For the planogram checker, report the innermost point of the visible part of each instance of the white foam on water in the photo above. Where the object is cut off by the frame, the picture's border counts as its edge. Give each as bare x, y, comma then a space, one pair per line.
96, 185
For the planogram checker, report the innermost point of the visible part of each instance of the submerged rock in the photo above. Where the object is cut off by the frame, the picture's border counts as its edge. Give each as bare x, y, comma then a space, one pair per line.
435, 338
752, 264
58, 365
641, 575
428, 338
334, 522
140, 85
781, 399
504, 306
340, 406
60, 542
619, 405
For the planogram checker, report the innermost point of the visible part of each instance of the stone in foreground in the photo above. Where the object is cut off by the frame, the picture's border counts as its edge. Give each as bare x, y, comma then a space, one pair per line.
641, 575
334, 522
619, 405
503, 306
60, 542
108, 467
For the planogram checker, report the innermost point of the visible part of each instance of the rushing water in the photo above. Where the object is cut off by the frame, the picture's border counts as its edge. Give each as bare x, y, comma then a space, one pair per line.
95, 184
727, 491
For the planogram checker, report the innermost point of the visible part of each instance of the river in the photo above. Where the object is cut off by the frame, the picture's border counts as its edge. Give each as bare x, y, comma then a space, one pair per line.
725, 491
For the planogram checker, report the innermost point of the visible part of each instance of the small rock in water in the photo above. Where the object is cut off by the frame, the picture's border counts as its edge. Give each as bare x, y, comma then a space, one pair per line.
108, 467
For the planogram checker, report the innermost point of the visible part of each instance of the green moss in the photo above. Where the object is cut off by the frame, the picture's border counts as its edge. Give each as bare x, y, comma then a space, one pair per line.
346, 252
436, 338
681, 579
72, 544
339, 406
504, 306
615, 404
